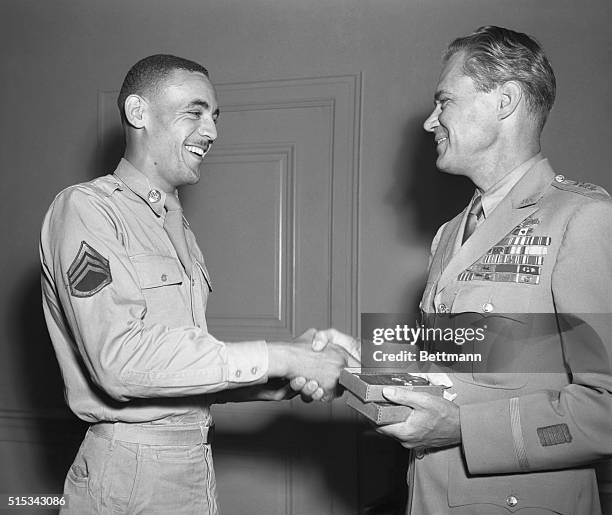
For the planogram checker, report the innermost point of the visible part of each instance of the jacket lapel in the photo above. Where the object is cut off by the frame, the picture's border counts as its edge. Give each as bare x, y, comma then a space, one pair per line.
441, 255
521, 202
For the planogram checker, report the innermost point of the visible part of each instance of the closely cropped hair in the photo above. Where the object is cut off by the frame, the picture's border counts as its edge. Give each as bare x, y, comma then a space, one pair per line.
495, 55
147, 74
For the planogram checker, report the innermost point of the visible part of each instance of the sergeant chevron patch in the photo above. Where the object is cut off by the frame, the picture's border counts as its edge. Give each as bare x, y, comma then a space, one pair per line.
89, 272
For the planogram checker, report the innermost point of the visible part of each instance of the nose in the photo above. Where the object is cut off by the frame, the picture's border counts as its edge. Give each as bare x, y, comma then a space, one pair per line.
432, 120
208, 128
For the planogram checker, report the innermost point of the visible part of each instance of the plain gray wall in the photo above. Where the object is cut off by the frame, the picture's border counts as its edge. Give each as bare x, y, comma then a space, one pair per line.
56, 55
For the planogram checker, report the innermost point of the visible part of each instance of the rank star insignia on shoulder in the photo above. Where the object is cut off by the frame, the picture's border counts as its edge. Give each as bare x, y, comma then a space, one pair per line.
89, 272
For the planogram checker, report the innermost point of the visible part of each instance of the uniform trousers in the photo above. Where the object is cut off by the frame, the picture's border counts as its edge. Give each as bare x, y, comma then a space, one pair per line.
110, 475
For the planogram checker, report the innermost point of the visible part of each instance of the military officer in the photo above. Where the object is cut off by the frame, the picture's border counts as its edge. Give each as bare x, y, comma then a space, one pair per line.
529, 260
125, 288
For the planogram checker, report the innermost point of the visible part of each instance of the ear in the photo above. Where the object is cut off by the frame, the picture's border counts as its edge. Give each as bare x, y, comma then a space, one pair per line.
134, 111
510, 97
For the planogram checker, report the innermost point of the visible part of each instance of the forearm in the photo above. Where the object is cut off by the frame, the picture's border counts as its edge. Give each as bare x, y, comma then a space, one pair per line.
177, 362
542, 430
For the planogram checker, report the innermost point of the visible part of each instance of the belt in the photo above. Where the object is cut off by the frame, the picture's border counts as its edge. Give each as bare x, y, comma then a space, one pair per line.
150, 434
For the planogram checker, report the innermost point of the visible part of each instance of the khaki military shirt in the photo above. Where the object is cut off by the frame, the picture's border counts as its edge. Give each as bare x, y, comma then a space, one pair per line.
127, 322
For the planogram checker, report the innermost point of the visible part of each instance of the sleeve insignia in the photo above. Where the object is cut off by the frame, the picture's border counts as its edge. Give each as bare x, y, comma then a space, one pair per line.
554, 435
89, 272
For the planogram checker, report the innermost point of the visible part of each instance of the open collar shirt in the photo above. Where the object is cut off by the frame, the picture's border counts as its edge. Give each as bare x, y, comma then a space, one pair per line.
127, 322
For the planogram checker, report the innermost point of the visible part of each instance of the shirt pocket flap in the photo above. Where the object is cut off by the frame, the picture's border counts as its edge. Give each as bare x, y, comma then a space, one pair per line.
157, 271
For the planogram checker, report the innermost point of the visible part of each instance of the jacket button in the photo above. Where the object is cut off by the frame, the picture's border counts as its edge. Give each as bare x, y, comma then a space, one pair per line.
487, 307
442, 308
559, 178
511, 501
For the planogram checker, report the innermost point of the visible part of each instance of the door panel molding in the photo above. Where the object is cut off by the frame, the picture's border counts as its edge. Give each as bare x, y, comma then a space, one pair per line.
342, 95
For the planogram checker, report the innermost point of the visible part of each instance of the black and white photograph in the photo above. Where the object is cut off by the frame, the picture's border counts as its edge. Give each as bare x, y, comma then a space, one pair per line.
306, 257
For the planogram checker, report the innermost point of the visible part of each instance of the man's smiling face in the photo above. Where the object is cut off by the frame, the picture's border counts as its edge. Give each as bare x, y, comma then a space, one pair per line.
464, 121
181, 127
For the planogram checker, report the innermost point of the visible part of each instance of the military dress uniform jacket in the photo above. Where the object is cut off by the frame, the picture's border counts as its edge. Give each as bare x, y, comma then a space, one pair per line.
539, 413
126, 320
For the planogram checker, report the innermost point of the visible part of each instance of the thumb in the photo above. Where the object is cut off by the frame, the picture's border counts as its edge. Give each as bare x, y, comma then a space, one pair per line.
307, 335
405, 397
320, 341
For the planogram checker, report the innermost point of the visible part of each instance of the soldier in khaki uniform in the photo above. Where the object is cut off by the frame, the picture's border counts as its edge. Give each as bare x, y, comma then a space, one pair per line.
529, 259
124, 293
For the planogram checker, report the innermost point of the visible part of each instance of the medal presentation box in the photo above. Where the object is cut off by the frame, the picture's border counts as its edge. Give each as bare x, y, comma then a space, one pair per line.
379, 412
365, 395
367, 384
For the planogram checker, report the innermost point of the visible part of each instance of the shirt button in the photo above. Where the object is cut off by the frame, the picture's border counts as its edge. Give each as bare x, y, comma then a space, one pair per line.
254, 370
420, 453
442, 308
559, 178
164, 278
487, 307
238, 373
511, 501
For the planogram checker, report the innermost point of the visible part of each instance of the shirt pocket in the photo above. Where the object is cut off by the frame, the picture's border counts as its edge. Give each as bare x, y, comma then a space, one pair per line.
157, 271
555, 492
499, 311
161, 282
488, 297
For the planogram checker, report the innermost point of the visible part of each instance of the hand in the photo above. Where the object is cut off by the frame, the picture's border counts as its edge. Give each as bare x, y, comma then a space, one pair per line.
309, 390
307, 336
347, 342
299, 360
320, 340
434, 421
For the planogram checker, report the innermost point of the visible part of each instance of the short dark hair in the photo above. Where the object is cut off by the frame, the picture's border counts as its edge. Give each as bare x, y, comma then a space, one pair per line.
147, 74
495, 55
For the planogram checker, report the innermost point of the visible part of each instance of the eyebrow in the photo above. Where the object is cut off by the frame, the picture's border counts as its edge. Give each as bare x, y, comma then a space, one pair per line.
440, 93
204, 105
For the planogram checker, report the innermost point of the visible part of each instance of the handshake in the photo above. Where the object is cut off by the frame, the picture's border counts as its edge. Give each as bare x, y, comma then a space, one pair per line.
312, 362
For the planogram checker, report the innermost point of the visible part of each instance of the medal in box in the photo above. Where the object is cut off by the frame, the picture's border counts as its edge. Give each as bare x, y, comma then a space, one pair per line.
367, 384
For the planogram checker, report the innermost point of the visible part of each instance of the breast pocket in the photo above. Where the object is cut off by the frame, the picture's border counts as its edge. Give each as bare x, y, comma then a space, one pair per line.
499, 313
157, 271
161, 282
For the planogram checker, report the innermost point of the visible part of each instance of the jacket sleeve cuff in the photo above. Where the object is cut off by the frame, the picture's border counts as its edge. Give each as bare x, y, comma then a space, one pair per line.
247, 362
492, 437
